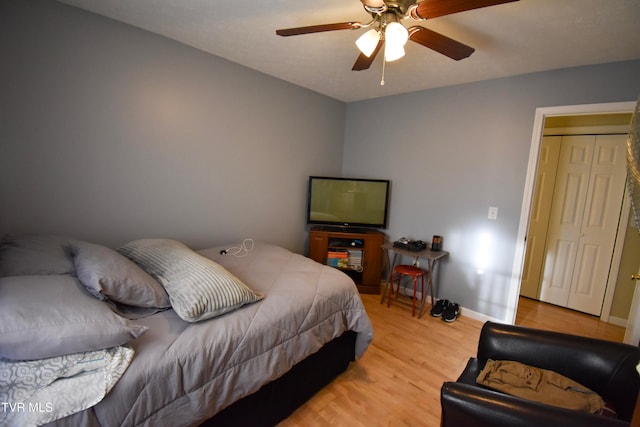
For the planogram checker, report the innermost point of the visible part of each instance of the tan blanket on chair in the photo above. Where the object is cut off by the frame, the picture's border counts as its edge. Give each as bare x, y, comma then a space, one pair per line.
539, 385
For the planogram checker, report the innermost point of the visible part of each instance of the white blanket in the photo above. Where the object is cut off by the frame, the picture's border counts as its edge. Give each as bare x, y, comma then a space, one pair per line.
35, 392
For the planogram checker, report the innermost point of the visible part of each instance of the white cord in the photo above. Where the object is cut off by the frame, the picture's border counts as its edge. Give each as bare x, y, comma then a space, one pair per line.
239, 251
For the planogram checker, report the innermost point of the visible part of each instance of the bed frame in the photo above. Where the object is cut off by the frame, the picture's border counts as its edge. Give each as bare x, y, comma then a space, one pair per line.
280, 398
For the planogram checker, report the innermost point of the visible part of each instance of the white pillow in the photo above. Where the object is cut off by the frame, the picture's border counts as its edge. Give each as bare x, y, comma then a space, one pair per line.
28, 255
49, 316
198, 287
108, 275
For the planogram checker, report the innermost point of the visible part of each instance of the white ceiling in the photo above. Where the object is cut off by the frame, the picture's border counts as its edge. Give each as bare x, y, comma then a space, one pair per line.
510, 39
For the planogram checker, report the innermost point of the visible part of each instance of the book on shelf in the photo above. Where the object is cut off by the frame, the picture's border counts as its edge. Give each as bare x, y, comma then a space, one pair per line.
334, 253
338, 258
355, 258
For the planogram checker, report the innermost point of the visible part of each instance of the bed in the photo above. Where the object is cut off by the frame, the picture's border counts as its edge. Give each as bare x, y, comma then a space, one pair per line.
249, 357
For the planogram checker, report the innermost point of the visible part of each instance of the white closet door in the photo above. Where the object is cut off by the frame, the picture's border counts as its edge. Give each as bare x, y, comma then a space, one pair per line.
599, 225
565, 224
539, 218
583, 221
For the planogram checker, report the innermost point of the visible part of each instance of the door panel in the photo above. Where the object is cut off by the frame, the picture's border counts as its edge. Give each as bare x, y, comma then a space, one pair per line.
588, 258
601, 217
557, 274
539, 218
573, 200
565, 222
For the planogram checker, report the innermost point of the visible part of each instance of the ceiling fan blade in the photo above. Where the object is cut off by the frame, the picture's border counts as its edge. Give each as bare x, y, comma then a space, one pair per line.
427, 9
443, 44
364, 62
319, 28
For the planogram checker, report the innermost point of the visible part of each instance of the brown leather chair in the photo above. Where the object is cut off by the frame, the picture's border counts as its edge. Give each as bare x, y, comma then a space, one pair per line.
606, 367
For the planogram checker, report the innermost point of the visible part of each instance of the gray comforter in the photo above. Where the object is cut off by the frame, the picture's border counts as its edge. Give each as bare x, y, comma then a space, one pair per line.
184, 373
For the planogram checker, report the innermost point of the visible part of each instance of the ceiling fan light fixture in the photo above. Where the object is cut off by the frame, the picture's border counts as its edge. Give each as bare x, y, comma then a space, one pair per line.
390, 34
393, 52
368, 42
396, 34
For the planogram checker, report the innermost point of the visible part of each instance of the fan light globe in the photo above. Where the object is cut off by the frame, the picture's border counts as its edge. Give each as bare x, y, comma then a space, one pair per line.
392, 53
368, 41
396, 36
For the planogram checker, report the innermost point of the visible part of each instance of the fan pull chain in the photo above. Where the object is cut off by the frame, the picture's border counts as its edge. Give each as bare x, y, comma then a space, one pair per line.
384, 63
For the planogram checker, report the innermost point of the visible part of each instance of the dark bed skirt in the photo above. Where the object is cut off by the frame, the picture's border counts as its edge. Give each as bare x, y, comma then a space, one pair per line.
277, 400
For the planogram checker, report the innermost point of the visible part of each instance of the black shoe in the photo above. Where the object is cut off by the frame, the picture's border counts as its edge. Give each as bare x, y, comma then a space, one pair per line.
439, 307
451, 313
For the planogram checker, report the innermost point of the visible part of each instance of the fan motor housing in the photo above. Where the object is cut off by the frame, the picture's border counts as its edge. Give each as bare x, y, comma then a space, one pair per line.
401, 6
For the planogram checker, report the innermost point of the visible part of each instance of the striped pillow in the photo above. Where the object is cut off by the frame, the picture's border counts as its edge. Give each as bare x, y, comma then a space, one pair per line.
198, 287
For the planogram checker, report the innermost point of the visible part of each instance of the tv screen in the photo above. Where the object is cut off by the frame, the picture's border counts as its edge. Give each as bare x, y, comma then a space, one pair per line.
348, 202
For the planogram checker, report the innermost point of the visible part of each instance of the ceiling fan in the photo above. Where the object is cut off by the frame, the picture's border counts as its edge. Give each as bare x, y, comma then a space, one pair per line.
386, 29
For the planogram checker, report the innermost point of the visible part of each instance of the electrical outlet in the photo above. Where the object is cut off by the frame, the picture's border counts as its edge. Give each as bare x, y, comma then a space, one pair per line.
493, 213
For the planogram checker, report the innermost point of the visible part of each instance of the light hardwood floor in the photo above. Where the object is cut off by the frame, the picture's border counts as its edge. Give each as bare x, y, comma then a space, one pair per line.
397, 381
540, 315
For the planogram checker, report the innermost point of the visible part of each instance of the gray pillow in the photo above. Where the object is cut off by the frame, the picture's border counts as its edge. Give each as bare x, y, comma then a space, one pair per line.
49, 316
35, 254
107, 274
198, 287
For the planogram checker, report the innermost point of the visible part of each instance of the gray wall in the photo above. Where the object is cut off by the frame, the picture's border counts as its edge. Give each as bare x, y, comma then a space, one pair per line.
111, 133
452, 153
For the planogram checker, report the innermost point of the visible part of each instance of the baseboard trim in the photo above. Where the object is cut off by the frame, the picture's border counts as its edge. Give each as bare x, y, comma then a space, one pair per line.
479, 316
617, 321
483, 318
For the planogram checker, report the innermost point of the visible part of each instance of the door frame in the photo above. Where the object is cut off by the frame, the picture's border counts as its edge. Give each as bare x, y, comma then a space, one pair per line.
632, 334
527, 198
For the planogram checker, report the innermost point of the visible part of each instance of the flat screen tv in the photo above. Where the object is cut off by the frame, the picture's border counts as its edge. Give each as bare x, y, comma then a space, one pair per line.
348, 202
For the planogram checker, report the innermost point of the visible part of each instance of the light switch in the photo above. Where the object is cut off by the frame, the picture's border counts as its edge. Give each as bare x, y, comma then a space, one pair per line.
493, 212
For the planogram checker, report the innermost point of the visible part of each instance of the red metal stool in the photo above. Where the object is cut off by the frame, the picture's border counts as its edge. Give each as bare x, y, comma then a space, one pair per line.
406, 270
